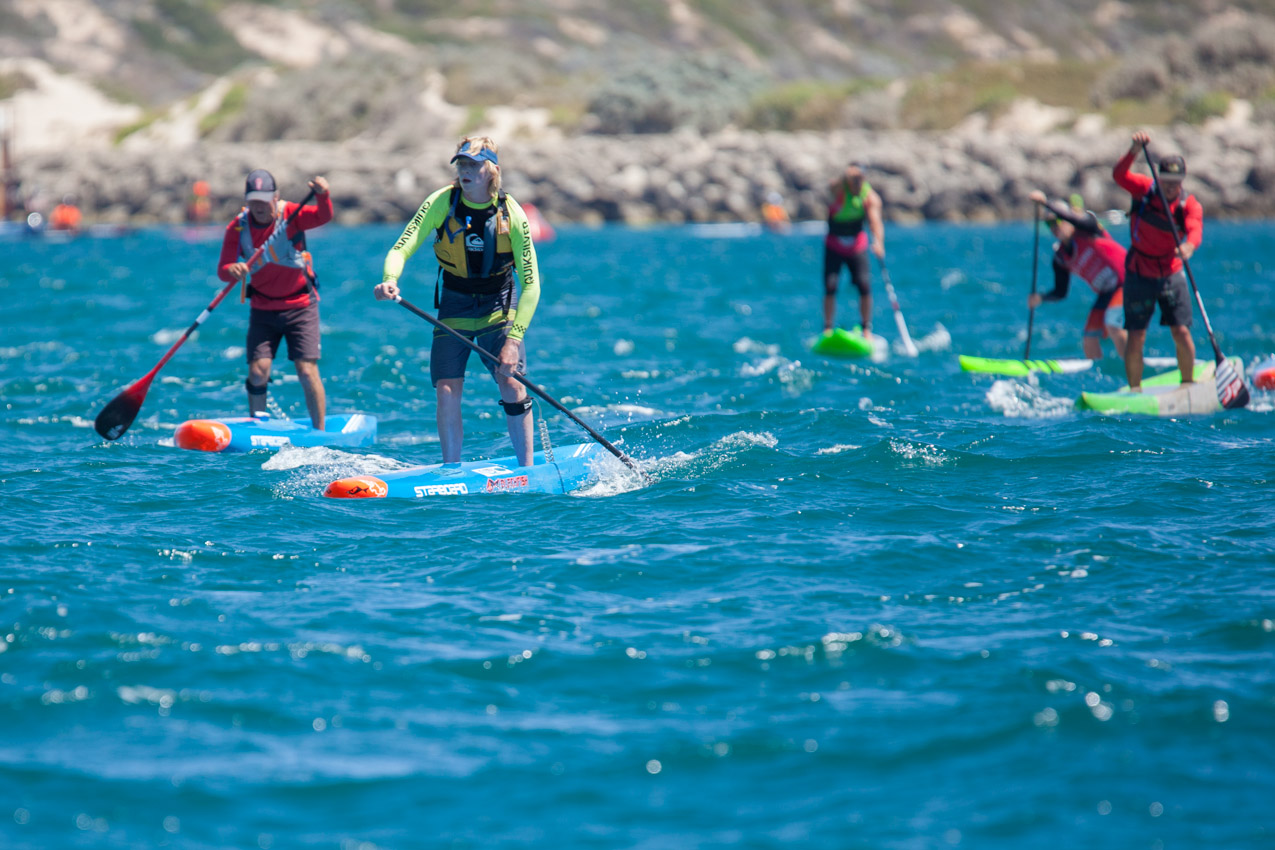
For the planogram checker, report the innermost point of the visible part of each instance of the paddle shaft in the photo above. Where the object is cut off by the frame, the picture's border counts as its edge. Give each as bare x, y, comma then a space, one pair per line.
124, 407
625, 459
1031, 311
908, 345
1228, 394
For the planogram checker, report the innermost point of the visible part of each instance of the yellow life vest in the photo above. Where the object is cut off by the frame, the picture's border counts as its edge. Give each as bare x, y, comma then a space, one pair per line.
457, 239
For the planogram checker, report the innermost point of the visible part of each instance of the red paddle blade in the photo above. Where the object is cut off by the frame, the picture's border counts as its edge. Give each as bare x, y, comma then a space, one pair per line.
1231, 390
120, 412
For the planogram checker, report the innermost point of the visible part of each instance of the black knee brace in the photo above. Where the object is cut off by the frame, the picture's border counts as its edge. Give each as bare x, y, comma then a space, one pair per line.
516, 408
253, 389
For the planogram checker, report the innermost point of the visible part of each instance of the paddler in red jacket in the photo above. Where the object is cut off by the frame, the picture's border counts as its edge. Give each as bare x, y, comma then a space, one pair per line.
1154, 272
1085, 249
282, 286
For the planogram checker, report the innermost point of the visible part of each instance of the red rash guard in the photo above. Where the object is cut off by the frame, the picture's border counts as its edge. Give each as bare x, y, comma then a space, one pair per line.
1151, 249
275, 287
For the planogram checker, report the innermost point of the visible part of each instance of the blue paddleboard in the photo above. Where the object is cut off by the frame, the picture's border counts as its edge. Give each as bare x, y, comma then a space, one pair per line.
246, 433
568, 471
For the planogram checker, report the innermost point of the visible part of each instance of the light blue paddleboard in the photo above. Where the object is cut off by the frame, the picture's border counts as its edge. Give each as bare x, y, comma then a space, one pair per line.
246, 433
568, 471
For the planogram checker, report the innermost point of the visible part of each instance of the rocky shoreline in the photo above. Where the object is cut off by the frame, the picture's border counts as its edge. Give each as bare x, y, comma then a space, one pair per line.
972, 174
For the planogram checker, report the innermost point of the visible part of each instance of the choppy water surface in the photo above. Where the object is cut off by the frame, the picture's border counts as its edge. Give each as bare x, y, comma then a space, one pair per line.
863, 605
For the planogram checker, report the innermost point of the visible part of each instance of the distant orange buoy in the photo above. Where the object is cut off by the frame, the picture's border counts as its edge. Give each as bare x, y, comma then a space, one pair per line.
362, 487
202, 435
1264, 374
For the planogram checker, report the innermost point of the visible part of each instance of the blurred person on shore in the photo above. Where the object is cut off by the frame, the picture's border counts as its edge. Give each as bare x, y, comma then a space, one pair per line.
854, 204
1085, 248
487, 289
199, 205
1154, 272
66, 216
773, 215
282, 286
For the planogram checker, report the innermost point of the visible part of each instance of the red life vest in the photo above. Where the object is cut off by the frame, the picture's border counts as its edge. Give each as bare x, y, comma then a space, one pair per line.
1151, 234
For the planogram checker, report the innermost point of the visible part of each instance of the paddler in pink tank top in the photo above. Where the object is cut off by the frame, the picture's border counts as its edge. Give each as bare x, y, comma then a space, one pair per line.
854, 203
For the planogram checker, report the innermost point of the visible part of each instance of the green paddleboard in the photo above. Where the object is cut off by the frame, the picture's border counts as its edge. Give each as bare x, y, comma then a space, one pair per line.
1162, 395
1021, 368
839, 342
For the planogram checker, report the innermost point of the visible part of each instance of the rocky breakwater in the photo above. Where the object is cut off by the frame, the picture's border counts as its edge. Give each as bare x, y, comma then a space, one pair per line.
970, 175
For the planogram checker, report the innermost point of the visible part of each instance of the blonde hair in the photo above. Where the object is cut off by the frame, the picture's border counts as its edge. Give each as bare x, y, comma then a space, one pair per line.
484, 143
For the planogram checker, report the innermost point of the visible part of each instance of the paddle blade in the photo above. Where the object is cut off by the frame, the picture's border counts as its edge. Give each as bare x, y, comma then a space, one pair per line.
120, 412
1232, 393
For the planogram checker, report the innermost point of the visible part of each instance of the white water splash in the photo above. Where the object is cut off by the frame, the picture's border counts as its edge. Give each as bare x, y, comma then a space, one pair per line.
167, 336
770, 364
613, 477
1027, 401
292, 457
936, 340
927, 454
745, 345
837, 449
612, 414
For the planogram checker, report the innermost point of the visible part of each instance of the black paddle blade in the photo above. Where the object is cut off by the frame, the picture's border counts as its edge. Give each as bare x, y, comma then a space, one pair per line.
1232, 393
120, 412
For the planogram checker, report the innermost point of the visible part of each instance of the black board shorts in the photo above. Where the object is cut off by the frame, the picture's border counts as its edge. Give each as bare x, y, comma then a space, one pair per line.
1141, 294
860, 274
448, 356
299, 326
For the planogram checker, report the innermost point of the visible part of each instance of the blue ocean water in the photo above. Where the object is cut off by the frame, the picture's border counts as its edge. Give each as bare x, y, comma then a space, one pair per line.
861, 605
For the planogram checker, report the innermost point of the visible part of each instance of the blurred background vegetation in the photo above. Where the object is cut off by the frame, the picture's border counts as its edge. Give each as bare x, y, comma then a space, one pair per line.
655, 66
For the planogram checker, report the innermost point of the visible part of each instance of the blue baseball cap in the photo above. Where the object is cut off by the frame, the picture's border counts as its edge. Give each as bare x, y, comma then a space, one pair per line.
259, 186
484, 155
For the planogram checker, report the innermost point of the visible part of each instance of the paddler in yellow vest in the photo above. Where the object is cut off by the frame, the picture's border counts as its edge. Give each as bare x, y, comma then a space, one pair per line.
487, 290
854, 202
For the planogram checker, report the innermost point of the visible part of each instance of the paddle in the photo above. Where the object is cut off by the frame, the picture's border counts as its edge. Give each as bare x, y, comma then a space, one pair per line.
1231, 390
908, 345
120, 412
528, 384
1031, 311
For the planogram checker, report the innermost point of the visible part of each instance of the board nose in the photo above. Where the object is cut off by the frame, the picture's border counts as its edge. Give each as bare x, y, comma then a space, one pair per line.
359, 487
202, 435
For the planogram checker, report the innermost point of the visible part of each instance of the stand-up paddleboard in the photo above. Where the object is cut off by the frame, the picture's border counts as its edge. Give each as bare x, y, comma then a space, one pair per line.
568, 471
261, 432
1021, 368
1163, 395
840, 342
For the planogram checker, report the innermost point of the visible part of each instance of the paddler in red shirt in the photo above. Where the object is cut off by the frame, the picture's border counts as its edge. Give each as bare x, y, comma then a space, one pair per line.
282, 286
1154, 272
